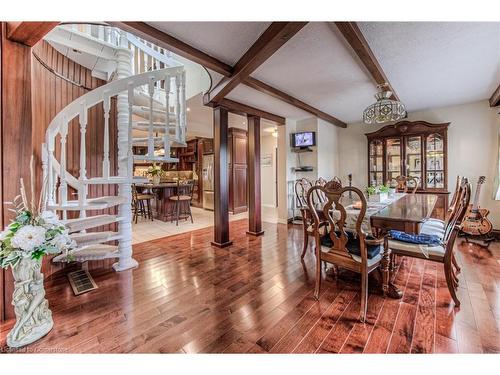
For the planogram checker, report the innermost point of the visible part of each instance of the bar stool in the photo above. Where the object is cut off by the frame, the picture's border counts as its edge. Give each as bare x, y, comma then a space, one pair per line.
141, 204
182, 201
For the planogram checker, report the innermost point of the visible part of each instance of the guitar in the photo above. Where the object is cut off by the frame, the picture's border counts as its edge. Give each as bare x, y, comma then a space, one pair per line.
475, 222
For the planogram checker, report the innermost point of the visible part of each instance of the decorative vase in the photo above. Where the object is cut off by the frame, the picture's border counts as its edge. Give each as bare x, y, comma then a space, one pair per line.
33, 316
156, 179
380, 197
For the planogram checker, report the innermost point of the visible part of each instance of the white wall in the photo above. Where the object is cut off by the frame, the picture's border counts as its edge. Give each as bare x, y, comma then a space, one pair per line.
286, 161
472, 148
327, 140
268, 145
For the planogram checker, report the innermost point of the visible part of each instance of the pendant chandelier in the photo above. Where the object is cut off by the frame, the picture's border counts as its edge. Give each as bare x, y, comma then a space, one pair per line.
384, 109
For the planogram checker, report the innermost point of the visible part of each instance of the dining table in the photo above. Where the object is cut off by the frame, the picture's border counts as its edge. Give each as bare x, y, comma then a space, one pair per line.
400, 211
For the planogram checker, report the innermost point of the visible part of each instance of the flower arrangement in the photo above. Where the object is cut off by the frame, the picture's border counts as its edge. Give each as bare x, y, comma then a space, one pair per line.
154, 170
33, 233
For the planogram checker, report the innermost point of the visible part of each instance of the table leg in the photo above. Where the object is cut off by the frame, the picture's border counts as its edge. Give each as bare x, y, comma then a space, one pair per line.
388, 288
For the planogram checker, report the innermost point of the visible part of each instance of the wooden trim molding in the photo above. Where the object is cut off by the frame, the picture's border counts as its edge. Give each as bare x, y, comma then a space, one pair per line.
246, 110
407, 128
495, 98
272, 39
221, 179
253, 177
361, 48
275, 93
29, 33
175, 45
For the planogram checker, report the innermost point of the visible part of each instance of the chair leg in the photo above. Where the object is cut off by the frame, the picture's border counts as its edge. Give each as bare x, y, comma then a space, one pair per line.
306, 243
318, 276
449, 281
177, 213
455, 263
135, 212
150, 211
364, 296
190, 213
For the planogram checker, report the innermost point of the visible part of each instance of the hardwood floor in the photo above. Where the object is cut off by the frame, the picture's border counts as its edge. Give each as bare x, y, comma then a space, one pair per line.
256, 297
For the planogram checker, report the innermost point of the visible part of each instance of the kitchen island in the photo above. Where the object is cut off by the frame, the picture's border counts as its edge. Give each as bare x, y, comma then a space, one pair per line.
163, 206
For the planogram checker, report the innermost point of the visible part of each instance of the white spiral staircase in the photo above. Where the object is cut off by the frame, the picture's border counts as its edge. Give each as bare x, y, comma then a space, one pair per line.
150, 91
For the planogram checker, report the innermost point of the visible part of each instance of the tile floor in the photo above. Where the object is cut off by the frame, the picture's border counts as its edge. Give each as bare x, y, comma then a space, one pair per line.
147, 230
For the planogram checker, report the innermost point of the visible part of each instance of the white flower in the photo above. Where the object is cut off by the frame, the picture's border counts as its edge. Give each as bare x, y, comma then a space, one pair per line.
62, 242
3, 235
49, 217
28, 237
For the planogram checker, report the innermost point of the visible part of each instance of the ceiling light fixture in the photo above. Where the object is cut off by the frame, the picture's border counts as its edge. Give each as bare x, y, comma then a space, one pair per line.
384, 109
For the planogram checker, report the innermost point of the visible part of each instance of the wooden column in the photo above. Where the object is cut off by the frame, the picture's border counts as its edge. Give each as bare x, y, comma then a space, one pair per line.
15, 141
221, 179
253, 177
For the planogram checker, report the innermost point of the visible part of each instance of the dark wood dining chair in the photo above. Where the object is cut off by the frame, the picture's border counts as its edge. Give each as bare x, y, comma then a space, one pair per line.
437, 226
442, 253
182, 201
358, 252
302, 186
402, 184
141, 204
322, 182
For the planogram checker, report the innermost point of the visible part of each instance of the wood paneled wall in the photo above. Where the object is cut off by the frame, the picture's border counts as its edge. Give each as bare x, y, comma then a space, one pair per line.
15, 133
49, 95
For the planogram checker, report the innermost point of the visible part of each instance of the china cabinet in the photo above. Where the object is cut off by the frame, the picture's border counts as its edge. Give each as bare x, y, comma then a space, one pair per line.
413, 149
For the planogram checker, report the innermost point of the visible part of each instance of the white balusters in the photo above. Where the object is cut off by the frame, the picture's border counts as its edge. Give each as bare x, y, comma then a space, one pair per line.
151, 144
50, 173
166, 136
105, 160
83, 131
130, 156
177, 107
63, 188
183, 106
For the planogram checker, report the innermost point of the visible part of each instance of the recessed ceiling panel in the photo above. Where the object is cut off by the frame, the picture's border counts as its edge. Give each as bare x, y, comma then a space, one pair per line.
436, 64
318, 68
226, 41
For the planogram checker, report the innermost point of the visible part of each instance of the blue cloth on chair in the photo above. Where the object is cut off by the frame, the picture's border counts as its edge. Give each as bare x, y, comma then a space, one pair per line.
420, 239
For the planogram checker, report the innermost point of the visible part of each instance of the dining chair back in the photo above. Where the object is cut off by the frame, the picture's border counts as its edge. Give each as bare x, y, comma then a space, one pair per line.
356, 251
182, 201
402, 184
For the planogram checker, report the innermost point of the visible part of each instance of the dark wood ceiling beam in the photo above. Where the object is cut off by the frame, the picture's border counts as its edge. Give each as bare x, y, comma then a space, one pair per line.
495, 98
164, 40
361, 48
272, 39
246, 110
29, 33
269, 90
158, 37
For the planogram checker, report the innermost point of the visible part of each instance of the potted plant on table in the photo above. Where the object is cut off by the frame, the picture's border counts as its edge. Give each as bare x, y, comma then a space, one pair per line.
33, 234
378, 193
155, 172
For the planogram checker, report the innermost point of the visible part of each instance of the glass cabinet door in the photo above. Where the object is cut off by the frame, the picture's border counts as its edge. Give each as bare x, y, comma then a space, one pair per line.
413, 162
435, 161
393, 159
376, 163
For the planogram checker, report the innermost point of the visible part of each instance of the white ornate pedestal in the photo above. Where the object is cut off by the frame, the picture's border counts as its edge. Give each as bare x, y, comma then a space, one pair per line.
33, 317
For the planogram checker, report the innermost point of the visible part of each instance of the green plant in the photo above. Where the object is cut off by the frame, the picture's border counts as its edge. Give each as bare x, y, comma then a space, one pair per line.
383, 189
154, 170
371, 190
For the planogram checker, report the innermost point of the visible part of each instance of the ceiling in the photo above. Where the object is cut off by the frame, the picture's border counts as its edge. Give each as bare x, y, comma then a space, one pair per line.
429, 65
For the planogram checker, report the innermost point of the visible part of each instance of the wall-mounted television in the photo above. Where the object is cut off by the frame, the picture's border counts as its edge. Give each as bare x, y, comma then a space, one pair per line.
304, 139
